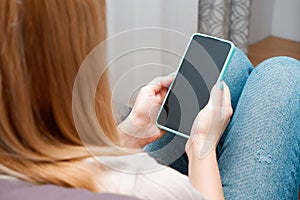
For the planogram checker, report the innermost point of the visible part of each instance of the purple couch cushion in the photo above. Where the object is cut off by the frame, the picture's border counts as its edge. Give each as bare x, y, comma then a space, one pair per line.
18, 190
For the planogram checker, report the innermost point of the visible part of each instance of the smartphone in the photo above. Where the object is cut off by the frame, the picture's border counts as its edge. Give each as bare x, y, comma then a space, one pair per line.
204, 63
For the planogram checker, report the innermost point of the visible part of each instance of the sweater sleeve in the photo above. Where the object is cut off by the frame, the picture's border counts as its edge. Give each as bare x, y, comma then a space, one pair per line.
165, 184
141, 176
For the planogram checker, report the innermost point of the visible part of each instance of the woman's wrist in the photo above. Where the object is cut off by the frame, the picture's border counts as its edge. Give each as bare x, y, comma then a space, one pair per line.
133, 135
196, 156
139, 119
201, 146
204, 175
126, 140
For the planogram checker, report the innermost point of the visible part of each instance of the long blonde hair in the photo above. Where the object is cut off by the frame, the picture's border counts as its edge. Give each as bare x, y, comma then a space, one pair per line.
42, 45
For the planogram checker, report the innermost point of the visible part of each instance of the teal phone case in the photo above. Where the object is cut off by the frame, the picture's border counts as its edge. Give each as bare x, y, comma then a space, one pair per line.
220, 78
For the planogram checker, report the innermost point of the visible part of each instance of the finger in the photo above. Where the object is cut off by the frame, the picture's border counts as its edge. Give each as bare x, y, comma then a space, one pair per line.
163, 94
159, 82
227, 96
164, 81
216, 96
226, 105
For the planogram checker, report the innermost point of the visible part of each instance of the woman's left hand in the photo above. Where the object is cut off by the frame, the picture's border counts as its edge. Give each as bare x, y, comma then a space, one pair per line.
139, 128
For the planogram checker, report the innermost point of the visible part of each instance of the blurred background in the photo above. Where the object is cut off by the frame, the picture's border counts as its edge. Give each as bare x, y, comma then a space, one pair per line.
261, 28
270, 27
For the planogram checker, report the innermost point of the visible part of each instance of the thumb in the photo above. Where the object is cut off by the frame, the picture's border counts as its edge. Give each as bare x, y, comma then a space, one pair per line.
220, 100
217, 95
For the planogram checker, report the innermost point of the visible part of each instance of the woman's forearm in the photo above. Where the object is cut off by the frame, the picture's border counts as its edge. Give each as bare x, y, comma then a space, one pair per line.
205, 176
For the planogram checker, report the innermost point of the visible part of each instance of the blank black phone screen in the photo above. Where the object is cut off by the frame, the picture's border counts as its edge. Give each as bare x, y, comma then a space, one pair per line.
190, 91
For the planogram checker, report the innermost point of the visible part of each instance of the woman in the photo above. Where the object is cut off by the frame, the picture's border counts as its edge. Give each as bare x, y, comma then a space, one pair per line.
42, 45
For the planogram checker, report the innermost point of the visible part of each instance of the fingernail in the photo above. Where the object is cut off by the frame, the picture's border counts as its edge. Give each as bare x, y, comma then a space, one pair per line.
221, 85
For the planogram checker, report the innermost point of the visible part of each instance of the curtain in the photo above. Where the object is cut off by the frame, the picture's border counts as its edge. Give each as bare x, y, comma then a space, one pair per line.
227, 19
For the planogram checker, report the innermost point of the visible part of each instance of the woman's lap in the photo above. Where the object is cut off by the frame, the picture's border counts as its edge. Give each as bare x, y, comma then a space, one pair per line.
258, 153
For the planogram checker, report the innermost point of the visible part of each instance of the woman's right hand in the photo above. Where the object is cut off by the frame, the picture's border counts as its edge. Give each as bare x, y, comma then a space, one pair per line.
208, 127
210, 123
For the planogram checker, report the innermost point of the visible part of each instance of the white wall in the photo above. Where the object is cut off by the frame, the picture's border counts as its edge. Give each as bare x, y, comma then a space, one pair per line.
274, 17
174, 14
124, 15
286, 19
261, 19
181, 16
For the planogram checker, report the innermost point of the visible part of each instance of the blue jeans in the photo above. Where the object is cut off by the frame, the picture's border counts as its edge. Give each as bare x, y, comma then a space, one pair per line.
259, 153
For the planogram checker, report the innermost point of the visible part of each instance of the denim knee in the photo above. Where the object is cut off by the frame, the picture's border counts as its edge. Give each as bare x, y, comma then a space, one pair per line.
276, 84
281, 73
284, 68
239, 65
237, 74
